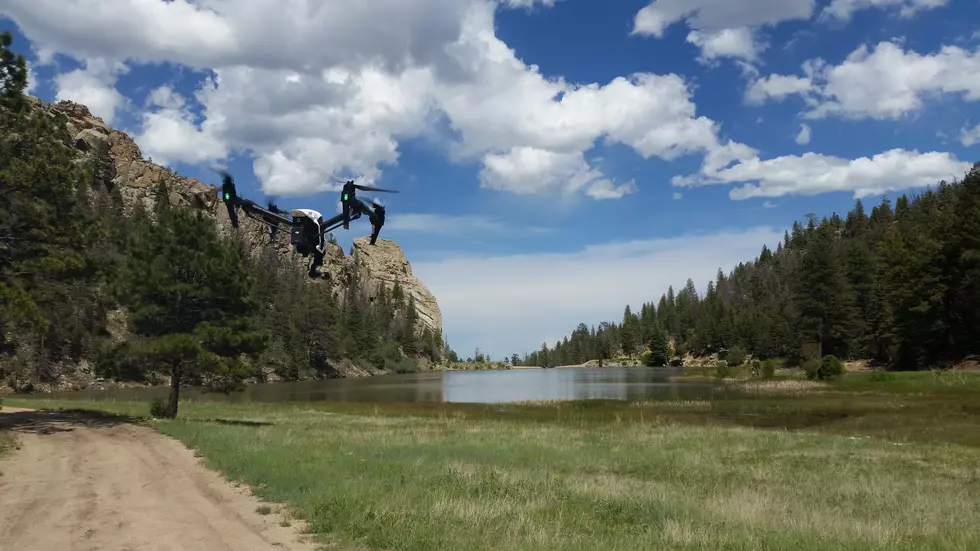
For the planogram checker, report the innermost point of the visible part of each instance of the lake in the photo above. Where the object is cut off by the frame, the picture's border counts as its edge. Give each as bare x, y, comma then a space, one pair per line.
569, 383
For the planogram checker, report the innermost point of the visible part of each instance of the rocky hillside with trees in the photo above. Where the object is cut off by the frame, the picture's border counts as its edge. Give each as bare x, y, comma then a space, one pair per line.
115, 268
898, 286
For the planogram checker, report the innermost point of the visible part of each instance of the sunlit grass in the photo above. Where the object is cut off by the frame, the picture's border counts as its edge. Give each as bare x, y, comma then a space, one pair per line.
869, 471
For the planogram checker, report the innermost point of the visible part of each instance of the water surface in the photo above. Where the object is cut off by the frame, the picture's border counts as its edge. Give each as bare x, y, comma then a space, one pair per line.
613, 383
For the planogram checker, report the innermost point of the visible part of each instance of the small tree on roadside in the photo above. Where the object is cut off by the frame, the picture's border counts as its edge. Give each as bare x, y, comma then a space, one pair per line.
190, 295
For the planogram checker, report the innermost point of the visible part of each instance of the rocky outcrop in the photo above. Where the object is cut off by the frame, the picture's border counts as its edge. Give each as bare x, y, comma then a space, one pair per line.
384, 264
121, 165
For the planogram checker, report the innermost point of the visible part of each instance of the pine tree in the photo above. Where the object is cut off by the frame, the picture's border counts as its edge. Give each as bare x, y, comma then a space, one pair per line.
191, 299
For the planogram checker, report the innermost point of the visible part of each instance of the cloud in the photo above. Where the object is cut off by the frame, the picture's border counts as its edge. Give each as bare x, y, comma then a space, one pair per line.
970, 137
739, 43
677, 196
169, 132
341, 88
93, 86
454, 225
527, 4
843, 10
803, 137
881, 82
720, 28
31, 79
508, 304
776, 87
732, 28
768, 205
812, 173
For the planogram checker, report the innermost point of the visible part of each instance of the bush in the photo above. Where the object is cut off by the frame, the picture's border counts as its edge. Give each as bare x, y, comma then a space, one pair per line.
756, 368
722, 370
768, 369
677, 361
735, 356
812, 369
158, 408
830, 367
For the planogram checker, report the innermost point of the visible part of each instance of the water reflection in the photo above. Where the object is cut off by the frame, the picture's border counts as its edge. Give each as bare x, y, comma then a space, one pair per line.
516, 385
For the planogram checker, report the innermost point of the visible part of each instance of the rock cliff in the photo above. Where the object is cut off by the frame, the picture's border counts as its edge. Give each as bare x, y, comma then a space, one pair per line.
121, 165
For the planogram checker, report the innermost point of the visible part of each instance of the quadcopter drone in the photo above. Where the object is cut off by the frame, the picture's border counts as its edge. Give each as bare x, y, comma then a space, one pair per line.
308, 228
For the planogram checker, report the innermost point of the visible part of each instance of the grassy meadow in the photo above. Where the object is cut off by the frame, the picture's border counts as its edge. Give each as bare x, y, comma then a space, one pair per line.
867, 462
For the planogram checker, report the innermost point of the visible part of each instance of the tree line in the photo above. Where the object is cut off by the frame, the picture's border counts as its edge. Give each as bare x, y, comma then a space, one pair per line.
199, 308
899, 286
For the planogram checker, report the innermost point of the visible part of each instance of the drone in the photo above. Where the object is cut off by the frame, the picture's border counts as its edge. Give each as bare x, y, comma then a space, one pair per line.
307, 227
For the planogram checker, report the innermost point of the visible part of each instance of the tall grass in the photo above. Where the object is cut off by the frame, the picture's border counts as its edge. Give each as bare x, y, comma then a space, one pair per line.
604, 475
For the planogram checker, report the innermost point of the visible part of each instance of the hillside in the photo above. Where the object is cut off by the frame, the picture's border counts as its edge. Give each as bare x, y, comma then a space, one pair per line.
79, 202
899, 286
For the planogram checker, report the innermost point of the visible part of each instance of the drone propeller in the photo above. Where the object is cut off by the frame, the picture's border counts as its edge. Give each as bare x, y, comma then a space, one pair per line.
362, 187
372, 188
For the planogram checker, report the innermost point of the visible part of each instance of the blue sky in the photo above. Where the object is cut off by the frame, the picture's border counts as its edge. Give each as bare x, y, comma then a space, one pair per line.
555, 159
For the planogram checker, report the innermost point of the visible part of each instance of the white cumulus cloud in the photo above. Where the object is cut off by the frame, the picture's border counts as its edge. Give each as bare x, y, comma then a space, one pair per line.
315, 90
813, 173
803, 137
842, 10
93, 86
969, 137
883, 81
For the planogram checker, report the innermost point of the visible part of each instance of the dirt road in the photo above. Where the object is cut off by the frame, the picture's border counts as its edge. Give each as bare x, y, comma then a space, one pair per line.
84, 483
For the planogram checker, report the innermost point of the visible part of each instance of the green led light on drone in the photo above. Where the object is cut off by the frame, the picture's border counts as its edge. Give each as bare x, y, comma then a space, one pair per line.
345, 197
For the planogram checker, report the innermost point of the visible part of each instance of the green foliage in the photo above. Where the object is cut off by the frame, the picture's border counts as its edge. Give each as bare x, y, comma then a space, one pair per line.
830, 368
722, 369
768, 369
880, 376
70, 254
735, 356
812, 369
659, 349
191, 301
899, 285
158, 408
51, 241
13, 75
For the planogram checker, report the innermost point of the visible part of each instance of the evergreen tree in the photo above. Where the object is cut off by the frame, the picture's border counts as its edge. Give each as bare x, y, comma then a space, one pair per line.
191, 299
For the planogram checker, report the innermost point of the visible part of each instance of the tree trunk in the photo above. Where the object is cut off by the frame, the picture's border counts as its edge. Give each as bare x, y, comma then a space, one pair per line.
171, 412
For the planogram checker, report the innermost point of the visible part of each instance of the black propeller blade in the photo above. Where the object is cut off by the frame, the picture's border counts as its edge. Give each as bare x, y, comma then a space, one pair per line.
372, 188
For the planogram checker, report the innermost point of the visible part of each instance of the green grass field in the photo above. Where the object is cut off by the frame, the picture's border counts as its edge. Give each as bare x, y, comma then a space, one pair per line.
862, 463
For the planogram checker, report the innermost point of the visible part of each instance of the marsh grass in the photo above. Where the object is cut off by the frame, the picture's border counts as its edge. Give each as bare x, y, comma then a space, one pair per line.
864, 464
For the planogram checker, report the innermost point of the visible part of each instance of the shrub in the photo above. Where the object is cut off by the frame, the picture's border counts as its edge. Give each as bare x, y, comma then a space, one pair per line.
735, 356
768, 369
756, 368
158, 407
812, 369
831, 367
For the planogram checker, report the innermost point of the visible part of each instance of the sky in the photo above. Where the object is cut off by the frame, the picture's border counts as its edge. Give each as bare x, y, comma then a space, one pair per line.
556, 160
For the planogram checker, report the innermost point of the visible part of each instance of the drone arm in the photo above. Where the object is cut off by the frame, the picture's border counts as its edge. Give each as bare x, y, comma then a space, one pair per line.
336, 222
264, 215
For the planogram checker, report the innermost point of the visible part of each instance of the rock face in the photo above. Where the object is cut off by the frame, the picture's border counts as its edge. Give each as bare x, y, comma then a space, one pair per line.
121, 165
384, 264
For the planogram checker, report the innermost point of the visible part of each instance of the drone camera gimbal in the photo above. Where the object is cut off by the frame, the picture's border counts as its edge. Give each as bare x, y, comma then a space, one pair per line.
307, 227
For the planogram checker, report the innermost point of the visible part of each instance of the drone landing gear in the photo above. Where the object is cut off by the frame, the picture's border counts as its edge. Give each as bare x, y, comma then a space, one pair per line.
315, 265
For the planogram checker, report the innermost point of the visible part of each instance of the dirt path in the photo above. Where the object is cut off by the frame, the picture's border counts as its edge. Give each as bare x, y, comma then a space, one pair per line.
83, 483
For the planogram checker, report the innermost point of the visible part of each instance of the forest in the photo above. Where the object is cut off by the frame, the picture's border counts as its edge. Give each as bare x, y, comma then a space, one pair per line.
898, 286
198, 308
